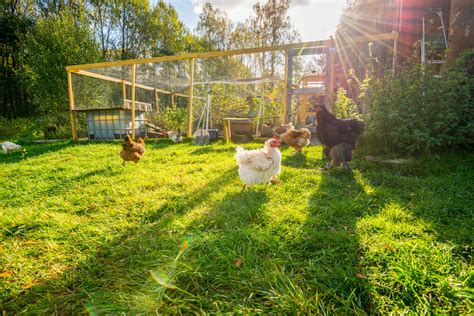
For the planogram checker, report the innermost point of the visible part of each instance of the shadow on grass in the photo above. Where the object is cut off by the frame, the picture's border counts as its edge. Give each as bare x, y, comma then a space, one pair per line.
330, 242
284, 268
66, 184
296, 160
314, 270
162, 143
30, 151
124, 259
36, 150
243, 259
204, 150
438, 193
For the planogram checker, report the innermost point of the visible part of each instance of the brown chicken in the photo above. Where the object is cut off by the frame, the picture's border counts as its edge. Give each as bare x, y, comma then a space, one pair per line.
296, 138
132, 151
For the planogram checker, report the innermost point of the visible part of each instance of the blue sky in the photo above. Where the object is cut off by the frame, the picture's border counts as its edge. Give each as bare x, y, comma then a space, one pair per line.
314, 19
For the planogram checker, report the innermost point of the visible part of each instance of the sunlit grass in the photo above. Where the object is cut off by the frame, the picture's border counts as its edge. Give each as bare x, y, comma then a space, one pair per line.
80, 233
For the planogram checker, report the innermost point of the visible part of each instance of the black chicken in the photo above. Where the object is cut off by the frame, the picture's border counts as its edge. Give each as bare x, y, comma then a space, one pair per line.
333, 132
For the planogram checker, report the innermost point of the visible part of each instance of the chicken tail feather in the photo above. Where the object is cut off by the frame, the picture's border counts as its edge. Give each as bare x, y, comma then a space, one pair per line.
128, 139
141, 141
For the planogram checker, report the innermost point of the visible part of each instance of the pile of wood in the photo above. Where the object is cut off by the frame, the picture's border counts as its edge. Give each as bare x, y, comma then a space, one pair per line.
153, 131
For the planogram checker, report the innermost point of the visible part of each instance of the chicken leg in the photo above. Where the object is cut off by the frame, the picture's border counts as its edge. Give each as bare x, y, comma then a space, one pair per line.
275, 181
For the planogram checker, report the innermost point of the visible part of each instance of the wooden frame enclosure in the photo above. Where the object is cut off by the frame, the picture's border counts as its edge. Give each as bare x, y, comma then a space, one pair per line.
291, 51
308, 92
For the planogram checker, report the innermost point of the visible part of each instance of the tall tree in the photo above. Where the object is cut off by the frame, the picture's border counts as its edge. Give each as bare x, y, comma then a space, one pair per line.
214, 28
167, 34
16, 18
272, 24
132, 22
103, 16
55, 8
54, 43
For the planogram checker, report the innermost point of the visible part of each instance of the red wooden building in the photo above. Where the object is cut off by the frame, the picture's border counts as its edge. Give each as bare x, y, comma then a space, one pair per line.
426, 27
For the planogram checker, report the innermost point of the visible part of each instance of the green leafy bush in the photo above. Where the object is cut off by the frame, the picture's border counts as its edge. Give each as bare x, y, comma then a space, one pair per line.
418, 110
24, 129
171, 119
345, 107
28, 129
174, 119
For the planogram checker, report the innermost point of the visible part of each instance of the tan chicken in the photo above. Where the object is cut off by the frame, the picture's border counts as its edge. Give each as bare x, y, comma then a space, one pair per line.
296, 138
132, 151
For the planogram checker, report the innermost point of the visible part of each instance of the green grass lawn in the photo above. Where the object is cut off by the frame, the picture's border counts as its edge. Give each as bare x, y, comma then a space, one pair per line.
82, 234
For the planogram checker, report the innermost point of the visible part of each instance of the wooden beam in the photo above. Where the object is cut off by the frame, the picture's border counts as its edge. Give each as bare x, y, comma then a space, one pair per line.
190, 105
289, 88
124, 93
227, 131
243, 51
314, 78
303, 91
71, 107
242, 81
327, 43
308, 51
285, 88
330, 79
303, 109
157, 102
373, 37
133, 101
103, 77
187, 96
139, 106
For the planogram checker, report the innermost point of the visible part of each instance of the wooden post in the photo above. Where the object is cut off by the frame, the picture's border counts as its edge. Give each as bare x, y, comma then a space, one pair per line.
71, 107
285, 89
304, 109
173, 102
226, 137
133, 101
190, 105
227, 132
304, 103
288, 86
124, 92
330, 61
395, 55
157, 102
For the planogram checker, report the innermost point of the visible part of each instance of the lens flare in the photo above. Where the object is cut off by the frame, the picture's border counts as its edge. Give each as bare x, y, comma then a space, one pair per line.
165, 280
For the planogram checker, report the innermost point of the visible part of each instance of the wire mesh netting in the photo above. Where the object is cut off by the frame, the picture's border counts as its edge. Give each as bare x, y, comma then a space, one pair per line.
243, 86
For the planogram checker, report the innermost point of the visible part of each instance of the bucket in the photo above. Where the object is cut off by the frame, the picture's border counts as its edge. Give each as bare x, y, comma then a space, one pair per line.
213, 134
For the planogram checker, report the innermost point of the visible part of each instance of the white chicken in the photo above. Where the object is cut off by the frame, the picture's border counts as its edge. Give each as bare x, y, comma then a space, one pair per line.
175, 136
259, 165
8, 147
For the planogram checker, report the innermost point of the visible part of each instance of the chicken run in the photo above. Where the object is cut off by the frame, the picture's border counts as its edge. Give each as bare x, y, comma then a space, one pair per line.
235, 93
262, 85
